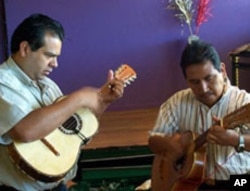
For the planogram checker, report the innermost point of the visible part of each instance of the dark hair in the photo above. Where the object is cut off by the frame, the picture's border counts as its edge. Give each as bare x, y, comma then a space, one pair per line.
33, 29
197, 52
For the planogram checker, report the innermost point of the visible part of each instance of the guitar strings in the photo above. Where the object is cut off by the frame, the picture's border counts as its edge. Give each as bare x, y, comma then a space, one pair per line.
72, 127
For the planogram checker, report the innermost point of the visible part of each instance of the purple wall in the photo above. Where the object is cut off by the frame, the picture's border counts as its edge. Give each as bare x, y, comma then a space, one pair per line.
104, 34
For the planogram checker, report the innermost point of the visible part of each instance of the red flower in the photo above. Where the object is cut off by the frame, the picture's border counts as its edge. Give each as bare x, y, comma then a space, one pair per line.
203, 13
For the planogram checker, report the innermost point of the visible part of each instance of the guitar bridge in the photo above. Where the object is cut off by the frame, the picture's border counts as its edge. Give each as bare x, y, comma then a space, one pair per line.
85, 140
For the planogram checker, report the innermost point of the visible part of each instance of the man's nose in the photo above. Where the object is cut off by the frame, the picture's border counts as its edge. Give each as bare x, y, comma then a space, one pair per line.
203, 86
54, 63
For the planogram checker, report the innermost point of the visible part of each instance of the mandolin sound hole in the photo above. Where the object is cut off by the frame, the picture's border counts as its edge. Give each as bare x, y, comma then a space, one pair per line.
72, 126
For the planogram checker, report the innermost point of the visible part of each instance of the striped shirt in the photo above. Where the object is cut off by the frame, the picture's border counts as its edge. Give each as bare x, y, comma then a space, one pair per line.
183, 112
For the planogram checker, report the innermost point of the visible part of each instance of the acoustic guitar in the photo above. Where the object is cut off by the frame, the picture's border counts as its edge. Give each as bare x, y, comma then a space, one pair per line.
179, 160
50, 158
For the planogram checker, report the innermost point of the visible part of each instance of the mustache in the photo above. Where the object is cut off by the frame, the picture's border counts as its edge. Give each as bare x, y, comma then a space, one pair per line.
205, 94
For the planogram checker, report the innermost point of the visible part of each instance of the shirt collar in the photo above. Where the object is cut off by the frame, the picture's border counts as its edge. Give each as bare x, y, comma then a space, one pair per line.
22, 76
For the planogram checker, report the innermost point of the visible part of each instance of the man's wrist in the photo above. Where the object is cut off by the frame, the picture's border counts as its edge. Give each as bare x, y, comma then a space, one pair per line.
241, 144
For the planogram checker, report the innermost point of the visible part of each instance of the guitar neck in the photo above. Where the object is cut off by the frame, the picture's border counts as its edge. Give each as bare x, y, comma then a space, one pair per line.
104, 90
230, 121
200, 140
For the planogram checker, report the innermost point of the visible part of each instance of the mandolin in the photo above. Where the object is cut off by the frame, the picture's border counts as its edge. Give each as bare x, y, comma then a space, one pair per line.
177, 168
50, 158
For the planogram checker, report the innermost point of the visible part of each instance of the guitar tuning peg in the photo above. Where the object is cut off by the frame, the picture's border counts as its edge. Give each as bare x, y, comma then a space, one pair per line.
132, 79
127, 81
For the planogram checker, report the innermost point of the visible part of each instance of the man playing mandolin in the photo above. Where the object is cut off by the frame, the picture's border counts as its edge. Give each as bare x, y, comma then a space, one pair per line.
202, 109
28, 107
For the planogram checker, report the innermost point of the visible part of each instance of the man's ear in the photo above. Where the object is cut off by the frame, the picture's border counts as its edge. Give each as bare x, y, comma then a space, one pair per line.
24, 48
223, 70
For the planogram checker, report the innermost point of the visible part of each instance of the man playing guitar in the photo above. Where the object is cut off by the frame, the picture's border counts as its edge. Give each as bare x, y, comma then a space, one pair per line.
197, 111
29, 106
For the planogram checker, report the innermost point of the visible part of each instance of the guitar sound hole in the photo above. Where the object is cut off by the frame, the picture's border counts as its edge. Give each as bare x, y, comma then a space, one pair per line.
179, 164
72, 126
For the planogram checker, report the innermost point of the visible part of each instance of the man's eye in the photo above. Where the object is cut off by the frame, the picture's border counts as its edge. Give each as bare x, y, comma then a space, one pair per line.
210, 78
195, 82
